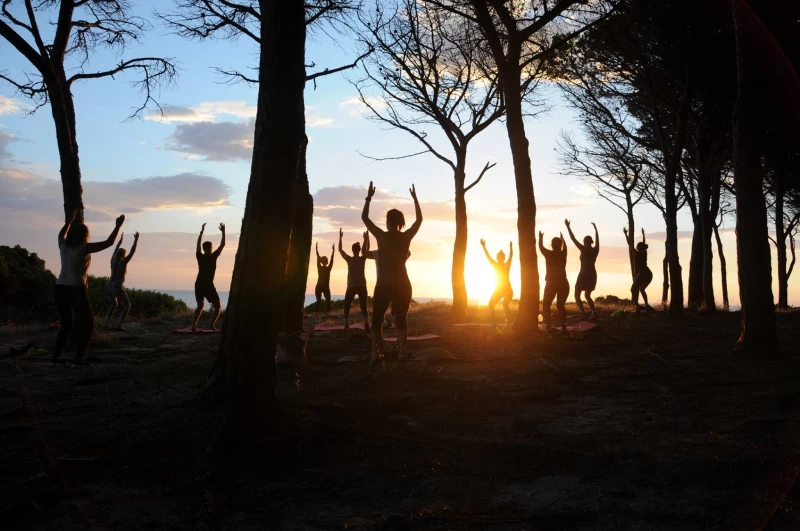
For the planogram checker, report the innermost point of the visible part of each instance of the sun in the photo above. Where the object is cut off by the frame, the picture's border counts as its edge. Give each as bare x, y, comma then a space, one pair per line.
480, 280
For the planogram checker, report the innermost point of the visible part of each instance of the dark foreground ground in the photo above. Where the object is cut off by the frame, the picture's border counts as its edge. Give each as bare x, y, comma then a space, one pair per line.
644, 424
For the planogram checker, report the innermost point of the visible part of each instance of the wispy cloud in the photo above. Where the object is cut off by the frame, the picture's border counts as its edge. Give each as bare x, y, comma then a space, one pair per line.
355, 107
208, 111
12, 105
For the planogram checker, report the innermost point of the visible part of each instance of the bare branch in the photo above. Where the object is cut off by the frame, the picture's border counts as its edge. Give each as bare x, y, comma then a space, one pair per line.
483, 171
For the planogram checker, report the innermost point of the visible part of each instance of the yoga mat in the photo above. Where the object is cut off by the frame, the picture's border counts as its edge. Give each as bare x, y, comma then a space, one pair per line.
188, 330
423, 337
472, 324
328, 327
583, 326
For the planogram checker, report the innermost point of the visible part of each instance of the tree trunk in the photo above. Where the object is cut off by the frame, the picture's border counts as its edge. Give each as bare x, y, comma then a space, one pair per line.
299, 250
244, 370
780, 244
665, 271
63, 110
723, 269
759, 332
528, 318
695, 296
631, 233
460, 244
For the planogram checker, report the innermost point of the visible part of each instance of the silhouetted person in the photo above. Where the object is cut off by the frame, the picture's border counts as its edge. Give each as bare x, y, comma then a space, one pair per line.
356, 279
204, 285
115, 287
643, 274
373, 255
587, 277
393, 282
502, 288
323, 286
556, 284
71, 295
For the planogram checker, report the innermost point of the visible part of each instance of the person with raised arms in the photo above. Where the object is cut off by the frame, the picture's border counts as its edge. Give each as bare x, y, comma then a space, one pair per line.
556, 283
323, 286
356, 279
643, 273
393, 283
204, 288
71, 292
115, 287
502, 288
587, 277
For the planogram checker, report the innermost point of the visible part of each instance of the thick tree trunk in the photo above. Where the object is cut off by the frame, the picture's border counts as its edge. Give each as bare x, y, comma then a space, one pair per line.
695, 296
759, 332
460, 244
665, 272
299, 250
723, 269
528, 318
63, 110
244, 370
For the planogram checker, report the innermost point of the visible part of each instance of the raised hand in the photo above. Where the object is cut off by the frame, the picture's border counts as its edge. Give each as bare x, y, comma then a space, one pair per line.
203, 228
121, 236
642, 232
135, 236
333, 247
317, 247
541, 235
222, 227
625, 230
566, 222
73, 216
511, 245
370, 191
366, 234
120, 220
483, 242
413, 191
341, 234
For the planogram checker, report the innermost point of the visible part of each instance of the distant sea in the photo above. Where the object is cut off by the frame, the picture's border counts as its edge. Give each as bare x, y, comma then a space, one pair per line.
187, 296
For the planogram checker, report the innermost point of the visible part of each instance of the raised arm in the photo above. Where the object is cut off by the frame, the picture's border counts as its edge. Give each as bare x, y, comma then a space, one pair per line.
510, 253
333, 253
222, 242
199, 238
488, 256
365, 247
541, 245
644, 239
96, 247
365, 213
596, 238
412, 231
133, 247
628, 241
345, 256
62, 234
563, 244
572, 236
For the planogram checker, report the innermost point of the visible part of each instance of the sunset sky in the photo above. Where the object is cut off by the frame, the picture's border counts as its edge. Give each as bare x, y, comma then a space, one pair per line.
171, 174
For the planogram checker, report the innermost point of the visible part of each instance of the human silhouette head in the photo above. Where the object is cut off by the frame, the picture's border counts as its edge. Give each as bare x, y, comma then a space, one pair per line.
555, 243
395, 220
501, 257
207, 247
641, 247
121, 253
324, 260
78, 234
356, 249
588, 241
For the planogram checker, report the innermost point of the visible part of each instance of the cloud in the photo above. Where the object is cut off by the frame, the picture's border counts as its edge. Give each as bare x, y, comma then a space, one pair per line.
208, 111
5, 140
24, 193
12, 106
315, 121
355, 107
218, 141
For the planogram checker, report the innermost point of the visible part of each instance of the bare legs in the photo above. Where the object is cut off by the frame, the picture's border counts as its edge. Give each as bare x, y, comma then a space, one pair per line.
579, 300
216, 310
495, 298
197, 313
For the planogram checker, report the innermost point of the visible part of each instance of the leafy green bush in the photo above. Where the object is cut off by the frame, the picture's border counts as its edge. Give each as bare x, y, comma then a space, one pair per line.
144, 303
26, 286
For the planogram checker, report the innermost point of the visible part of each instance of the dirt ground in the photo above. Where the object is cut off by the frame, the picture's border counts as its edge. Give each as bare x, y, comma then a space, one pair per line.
644, 423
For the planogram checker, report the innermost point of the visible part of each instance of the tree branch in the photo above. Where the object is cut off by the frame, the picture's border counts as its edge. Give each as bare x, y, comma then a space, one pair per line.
483, 171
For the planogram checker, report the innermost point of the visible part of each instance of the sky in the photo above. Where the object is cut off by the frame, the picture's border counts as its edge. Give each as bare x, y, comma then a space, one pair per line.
171, 173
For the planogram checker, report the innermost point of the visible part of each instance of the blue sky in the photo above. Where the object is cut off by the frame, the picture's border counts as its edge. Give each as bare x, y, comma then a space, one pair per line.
200, 150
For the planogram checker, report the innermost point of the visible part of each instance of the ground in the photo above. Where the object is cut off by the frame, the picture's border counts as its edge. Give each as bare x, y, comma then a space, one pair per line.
645, 423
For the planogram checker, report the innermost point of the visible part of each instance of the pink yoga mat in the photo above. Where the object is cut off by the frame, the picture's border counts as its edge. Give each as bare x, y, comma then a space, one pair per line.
188, 330
327, 327
423, 337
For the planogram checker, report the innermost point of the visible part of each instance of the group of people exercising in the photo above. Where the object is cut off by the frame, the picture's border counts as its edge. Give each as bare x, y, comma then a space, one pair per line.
392, 288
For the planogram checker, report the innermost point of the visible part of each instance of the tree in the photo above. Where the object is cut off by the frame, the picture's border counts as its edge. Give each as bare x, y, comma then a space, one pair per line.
779, 162
230, 19
244, 370
521, 37
428, 70
81, 27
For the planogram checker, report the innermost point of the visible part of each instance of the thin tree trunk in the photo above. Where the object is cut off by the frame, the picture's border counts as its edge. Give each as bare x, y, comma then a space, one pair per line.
299, 251
759, 332
528, 317
631, 233
695, 296
244, 370
780, 243
665, 271
460, 244
723, 269
63, 110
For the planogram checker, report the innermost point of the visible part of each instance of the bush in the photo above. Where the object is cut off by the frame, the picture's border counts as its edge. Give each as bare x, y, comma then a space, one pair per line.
144, 303
26, 286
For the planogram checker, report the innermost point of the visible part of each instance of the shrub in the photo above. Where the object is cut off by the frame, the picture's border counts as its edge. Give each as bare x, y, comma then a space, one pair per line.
26, 286
144, 302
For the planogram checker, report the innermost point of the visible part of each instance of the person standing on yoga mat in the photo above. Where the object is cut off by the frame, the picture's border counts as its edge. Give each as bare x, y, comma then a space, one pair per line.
115, 287
502, 288
556, 284
393, 282
587, 277
373, 255
204, 288
71, 295
356, 279
643, 274
324, 279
